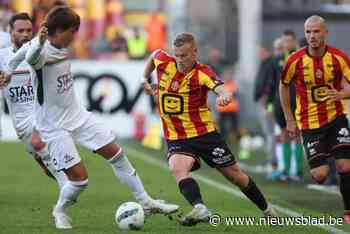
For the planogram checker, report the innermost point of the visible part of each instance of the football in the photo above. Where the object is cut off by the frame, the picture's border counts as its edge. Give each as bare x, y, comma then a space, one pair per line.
130, 216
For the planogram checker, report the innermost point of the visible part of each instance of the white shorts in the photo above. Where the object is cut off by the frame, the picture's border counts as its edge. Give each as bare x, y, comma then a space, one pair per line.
91, 135
27, 140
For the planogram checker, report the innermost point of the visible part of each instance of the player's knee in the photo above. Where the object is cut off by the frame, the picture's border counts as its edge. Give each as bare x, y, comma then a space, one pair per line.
177, 171
320, 176
343, 168
37, 144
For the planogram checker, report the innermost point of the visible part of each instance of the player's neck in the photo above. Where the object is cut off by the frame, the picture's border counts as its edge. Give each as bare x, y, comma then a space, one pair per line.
55, 43
317, 52
187, 69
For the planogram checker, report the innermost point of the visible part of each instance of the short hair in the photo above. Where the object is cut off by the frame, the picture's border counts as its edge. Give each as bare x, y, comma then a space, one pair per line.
184, 38
19, 16
289, 32
61, 17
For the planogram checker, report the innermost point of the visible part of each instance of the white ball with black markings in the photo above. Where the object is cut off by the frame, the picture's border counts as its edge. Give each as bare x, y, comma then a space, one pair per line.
130, 216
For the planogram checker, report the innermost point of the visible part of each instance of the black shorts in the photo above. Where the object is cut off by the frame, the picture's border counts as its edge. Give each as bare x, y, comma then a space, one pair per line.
209, 147
331, 140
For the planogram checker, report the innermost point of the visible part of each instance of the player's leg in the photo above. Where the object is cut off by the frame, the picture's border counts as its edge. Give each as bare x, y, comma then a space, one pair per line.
44, 160
65, 157
236, 176
317, 151
180, 165
339, 137
216, 153
343, 168
94, 136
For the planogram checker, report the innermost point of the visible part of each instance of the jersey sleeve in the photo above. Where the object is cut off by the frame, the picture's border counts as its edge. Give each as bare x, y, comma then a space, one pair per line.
289, 70
161, 57
208, 78
345, 66
36, 54
17, 59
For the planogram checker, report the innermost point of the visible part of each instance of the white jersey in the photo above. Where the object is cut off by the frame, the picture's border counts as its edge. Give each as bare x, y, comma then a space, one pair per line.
20, 93
59, 106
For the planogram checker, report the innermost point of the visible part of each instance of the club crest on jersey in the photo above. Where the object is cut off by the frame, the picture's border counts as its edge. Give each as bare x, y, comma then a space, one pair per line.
319, 73
175, 85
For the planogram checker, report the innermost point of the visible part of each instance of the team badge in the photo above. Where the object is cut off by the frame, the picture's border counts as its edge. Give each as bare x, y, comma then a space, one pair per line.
319, 73
175, 85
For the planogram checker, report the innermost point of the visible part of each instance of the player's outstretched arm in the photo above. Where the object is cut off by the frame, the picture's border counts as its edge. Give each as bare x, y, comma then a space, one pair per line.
224, 97
35, 55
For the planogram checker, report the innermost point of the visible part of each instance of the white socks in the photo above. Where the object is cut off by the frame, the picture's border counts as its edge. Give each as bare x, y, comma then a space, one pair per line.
69, 194
127, 175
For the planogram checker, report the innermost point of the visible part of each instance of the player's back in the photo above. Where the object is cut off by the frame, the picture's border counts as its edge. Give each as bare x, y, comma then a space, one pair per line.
59, 106
20, 93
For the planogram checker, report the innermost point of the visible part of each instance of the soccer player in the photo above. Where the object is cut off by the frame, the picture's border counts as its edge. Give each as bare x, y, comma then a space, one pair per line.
181, 91
317, 72
20, 96
62, 120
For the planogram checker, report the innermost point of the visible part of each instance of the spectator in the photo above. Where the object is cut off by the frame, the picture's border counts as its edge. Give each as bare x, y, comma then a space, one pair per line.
100, 45
155, 27
261, 96
119, 45
137, 45
216, 60
228, 115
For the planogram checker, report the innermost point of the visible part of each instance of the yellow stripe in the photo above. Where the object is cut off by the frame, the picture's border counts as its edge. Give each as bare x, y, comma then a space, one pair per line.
328, 68
188, 125
290, 73
207, 118
312, 107
204, 79
344, 66
157, 62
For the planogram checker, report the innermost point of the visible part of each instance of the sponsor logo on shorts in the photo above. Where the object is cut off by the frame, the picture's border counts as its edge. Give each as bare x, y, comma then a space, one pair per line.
219, 157
312, 144
343, 136
218, 151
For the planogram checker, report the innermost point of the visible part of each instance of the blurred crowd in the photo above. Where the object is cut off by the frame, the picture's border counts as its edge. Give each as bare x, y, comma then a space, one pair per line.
103, 32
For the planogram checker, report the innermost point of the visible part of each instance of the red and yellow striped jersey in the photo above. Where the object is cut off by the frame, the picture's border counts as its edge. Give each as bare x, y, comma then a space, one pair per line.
182, 98
312, 76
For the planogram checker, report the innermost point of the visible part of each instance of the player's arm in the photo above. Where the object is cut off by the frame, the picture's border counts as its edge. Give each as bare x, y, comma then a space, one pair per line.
344, 93
35, 55
150, 66
284, 90
288, 74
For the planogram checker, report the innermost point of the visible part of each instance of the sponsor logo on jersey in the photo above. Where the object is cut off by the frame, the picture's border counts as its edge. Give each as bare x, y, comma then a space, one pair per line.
64, 83
21, 94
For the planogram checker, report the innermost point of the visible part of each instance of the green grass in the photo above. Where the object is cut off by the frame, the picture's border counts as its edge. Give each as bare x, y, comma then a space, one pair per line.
27, 196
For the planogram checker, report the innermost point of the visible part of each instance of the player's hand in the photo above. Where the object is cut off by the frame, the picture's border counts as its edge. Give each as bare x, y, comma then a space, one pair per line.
4, 79
148, 88
334, 95
43, 32
292, 128
224, 99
